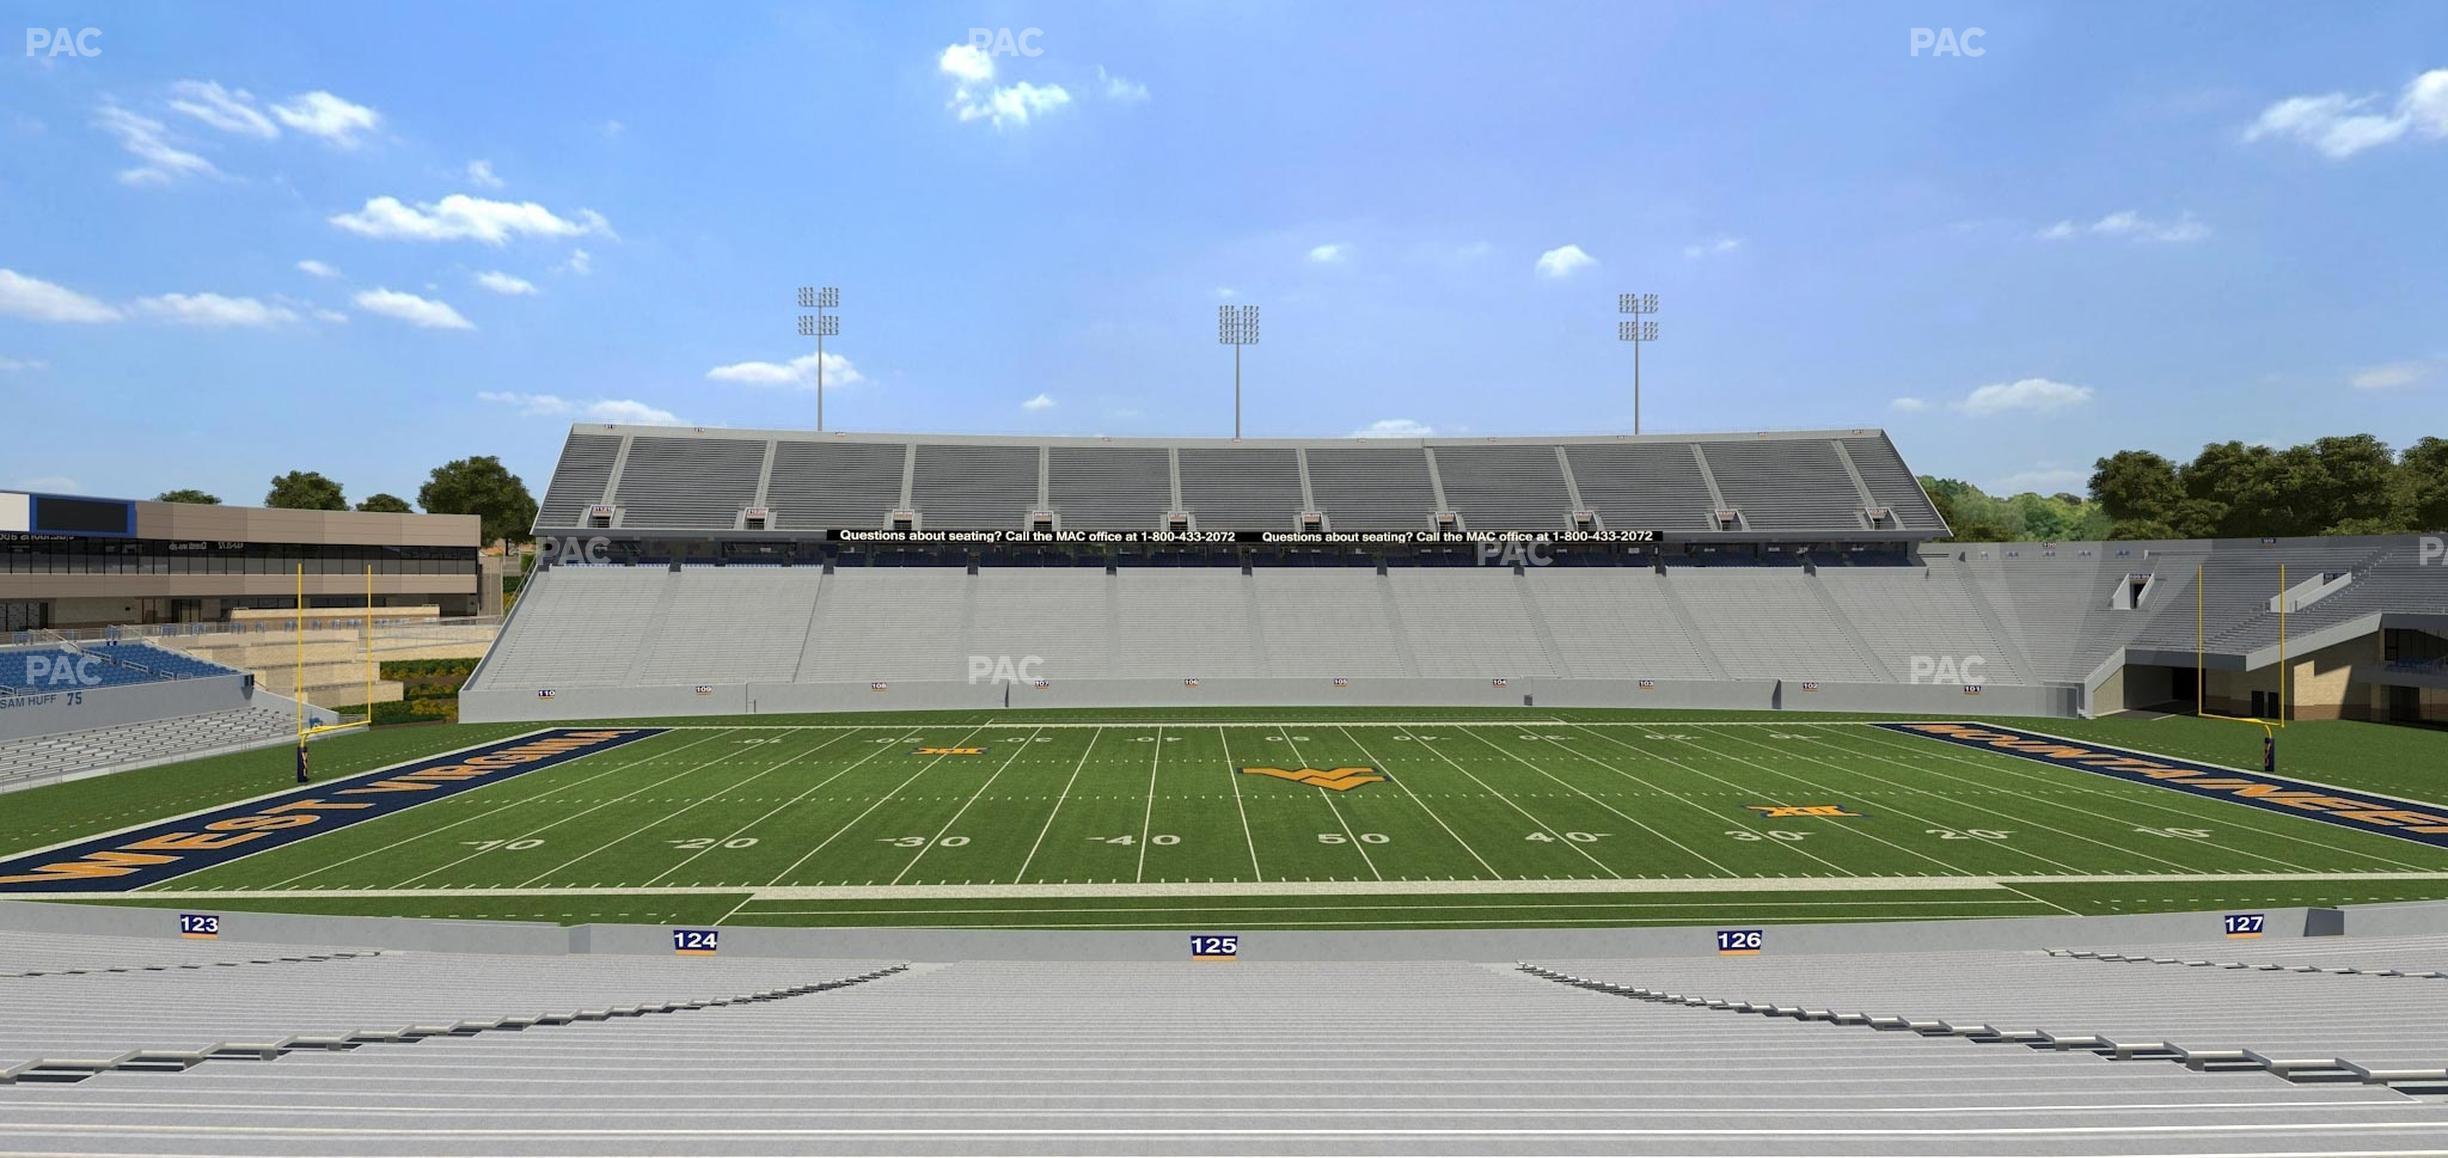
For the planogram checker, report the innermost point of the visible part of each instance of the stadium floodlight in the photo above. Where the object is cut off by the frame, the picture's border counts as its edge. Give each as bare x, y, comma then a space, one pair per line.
819, 325
1639, 333
1237, 326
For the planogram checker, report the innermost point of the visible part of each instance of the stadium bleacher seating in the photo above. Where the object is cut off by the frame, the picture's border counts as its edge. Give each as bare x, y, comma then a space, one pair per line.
108, 664
658, 478
1068, 1057
149, 742
2309, 1026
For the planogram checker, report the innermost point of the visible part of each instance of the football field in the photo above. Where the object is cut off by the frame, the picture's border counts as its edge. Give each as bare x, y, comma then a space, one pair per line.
1309, 824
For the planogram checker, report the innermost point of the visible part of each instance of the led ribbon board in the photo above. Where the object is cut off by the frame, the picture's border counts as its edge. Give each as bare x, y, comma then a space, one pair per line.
157, 852
2362, 811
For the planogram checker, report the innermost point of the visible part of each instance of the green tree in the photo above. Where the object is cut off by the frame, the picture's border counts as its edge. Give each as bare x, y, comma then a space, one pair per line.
2143, 529
384, 503
305, 490
2355, 482
188, 495
2423, 484
2135, 485
483, 487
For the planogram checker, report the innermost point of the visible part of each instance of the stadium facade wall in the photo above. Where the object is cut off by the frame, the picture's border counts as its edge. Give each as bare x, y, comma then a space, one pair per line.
1914, 700
509, 937
52, 711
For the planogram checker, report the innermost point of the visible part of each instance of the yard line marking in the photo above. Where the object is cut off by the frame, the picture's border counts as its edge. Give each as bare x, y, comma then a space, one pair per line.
1514, 804
2043, 900
1978, 808
2056, 804
572, 816
929, 846
1516, 758
1331, 806
880, 749
1741, 822
543, 789
700, 799
1415, 799
1232, 776
1058, 803
1147, 821
878, 802
1860, 832
2167, 802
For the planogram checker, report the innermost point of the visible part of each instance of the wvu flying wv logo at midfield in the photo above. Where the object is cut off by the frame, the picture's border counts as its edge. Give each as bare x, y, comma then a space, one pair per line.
1338, 780
1790, 811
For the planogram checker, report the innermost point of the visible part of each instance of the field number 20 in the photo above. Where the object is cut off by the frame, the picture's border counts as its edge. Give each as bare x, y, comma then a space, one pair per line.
701, 843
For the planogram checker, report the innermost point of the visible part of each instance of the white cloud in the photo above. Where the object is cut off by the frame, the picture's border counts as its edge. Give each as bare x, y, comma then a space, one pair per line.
480, 174
460, 217
1329, 254
2340, 126
1395, 428
502, 283
1121, 88
2129, 225
13, 365
143, 138
1563, 261
210, 309
1713, 247
530, 405
975, 96
37, 300
58, 484
316, 269
224, 109
799, 372
966, 63
1015, 103
333, 316
424, 313
2391, 376
320, 114
2043, 480
1908, 405
630, 411
621, 410
1040, 402
1225, 291
580, 263
2028, 395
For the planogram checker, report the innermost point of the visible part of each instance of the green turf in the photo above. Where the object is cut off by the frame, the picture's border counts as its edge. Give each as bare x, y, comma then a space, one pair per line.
2409, 762
719, 820
38, 817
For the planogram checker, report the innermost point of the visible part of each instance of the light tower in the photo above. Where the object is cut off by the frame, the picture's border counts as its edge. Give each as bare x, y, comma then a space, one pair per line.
1640, 333
819, 325
1237, 326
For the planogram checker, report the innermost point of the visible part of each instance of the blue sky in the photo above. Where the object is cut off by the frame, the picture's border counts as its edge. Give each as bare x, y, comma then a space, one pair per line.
364, 239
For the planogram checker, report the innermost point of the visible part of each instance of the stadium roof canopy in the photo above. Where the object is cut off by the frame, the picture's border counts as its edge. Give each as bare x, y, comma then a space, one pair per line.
1817, 485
